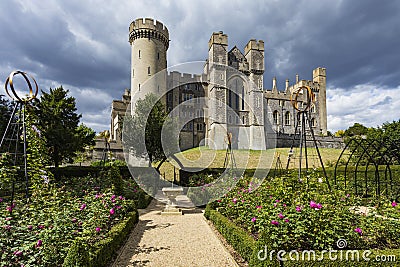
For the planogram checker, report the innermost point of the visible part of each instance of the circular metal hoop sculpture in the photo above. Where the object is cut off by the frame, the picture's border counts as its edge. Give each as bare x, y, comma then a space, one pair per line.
303, 118
14, 95
310, 100
15, 128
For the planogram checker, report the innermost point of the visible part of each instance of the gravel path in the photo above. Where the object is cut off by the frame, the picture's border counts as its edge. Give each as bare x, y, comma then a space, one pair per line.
165, 241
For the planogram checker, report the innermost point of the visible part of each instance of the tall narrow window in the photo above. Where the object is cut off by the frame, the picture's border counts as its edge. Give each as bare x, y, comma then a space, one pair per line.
230, 98
287, 118
158, 55
139, 53
236, 101
243, 98
139, 87
312, 122
133, 73
275, 116
148, 71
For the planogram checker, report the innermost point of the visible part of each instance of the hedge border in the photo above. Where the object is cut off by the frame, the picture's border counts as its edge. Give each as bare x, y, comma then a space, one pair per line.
243, 243
101, 253
249, 248
143, 201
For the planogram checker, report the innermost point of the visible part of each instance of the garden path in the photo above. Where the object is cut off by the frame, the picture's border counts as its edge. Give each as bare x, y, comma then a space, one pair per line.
166, 241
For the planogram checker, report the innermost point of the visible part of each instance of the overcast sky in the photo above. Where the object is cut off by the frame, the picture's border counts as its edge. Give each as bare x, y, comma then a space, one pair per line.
83, 46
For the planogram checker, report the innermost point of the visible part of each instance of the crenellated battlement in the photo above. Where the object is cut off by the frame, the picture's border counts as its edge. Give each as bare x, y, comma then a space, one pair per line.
146, 28
253, 44
218, 38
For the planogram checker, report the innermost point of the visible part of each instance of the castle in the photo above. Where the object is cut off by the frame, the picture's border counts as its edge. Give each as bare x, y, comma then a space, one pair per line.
227, 97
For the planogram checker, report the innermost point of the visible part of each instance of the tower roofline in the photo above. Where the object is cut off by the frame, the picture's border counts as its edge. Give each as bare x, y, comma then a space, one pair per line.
148, 28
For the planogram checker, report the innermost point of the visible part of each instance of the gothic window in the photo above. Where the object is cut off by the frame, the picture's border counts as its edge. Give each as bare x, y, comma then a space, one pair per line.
229, 119
281, 103
200, 127
242, 97
236, 101
275, 116
139, 87
287, 118
312, 110
230, 98
312, 122
148, 71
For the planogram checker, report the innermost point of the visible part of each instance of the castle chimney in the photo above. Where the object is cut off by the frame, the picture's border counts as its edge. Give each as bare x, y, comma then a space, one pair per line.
297, 78
287, 84
274, 83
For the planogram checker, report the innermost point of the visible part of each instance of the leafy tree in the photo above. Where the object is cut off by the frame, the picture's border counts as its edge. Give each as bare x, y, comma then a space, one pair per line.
5, 113
142, 131
356, 129
58, 122
339, 133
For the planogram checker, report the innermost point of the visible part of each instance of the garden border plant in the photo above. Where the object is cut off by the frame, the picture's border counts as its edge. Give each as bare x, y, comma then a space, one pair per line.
249, 248
103, 251
290, 215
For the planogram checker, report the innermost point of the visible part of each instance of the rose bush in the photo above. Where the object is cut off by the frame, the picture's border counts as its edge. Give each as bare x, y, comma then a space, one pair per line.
306, 215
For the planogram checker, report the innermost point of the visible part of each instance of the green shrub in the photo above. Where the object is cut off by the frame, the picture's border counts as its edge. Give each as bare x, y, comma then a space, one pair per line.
78, 254
251, 249
101, 252
243, 243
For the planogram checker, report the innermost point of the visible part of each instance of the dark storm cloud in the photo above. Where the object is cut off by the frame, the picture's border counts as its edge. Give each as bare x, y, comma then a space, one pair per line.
83, 45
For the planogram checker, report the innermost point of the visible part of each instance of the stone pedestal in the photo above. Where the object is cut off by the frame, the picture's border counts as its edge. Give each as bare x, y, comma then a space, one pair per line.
171, 193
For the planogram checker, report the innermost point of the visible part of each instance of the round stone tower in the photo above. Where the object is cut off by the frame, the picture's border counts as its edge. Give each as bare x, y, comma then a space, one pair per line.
149, 41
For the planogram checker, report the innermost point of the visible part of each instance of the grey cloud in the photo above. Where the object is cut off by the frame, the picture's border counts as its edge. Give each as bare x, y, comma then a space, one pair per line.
84, 44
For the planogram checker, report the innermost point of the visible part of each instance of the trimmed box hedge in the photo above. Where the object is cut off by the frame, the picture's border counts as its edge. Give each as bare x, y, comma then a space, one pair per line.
82, 255
250, 249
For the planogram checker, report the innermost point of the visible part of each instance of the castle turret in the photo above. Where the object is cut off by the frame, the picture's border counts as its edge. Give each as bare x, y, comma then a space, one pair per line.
218, 61
254, 53
319, 76
149, 41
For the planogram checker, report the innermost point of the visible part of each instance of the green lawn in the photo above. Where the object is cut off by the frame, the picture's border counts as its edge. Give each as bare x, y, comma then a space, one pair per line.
203, 157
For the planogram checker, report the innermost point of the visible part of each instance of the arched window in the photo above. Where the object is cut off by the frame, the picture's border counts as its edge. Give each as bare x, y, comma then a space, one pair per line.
312, 109
276, 117
287, 118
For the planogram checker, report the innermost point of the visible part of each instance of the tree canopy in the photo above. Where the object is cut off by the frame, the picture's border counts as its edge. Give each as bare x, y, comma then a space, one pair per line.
59, 123
5, 113
143, 130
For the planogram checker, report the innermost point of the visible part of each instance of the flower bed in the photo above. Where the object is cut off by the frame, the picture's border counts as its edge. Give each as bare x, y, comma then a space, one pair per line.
286, 214
42, 232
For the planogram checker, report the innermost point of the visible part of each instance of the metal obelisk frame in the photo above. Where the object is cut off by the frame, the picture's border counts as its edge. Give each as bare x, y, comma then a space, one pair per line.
229, 157
303, 118
16, 124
